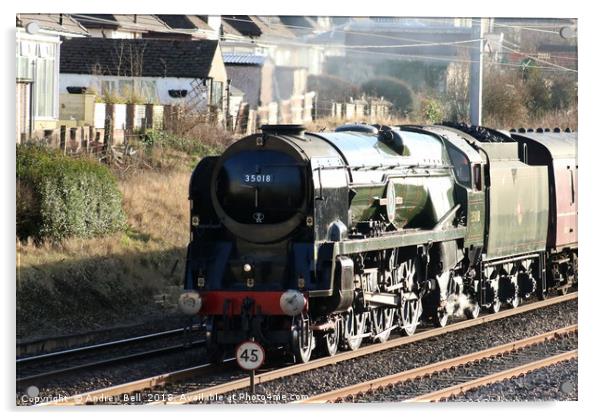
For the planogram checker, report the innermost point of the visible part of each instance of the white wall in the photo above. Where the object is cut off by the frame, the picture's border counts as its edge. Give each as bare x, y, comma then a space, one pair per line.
162, 85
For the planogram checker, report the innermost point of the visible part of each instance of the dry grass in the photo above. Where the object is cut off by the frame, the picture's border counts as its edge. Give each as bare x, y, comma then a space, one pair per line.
563, 119
156, 205
117, 278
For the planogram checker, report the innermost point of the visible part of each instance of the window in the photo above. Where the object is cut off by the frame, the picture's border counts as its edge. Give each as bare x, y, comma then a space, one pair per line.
36, 61
108, 87
44, 88
216, 93
148, 90
461, 166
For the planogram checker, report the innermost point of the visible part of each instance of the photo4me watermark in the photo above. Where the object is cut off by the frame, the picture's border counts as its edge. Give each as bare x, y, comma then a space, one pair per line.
32, 396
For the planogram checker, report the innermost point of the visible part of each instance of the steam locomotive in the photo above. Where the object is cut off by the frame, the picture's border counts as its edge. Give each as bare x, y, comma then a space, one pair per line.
318, 241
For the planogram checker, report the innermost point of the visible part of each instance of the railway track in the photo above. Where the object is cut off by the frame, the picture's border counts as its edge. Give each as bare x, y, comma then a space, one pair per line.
524, 358
47, 365
496, 377
191, 393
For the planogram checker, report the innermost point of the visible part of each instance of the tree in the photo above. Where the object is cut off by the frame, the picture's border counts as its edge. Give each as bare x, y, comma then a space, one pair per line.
394, 90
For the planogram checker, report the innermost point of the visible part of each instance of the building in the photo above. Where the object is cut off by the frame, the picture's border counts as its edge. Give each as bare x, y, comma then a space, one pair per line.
253, 74
278, 93
190, 27
268, 35
38, 38
121, 26
153, 71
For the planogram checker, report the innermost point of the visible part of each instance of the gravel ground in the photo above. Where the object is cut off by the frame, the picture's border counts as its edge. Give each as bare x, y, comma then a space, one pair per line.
411, 389
77, 382
36, 367
43, 345
552, 383
317, 381
410, 356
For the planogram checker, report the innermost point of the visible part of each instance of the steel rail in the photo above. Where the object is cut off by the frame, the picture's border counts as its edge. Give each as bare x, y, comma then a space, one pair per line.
103, 345
427, 370
206, 393
496, 377
138, 385
104, 362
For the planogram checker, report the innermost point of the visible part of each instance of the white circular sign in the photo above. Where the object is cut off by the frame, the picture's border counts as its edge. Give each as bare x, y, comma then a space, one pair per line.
250, 355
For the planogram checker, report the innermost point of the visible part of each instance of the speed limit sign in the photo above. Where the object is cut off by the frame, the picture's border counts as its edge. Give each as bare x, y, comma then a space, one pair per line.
250, 355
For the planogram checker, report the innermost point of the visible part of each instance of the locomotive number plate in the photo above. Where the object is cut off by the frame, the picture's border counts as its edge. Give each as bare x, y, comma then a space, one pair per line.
258, 178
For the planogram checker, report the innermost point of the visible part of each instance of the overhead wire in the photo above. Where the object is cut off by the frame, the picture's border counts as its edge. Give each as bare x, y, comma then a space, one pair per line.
353, 48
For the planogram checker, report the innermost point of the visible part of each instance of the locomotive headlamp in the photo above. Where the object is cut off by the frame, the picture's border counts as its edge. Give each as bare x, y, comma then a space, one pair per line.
292, 302
190, 302
247, 268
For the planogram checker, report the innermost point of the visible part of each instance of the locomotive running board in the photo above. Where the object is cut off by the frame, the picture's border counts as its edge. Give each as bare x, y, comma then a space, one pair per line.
399, 239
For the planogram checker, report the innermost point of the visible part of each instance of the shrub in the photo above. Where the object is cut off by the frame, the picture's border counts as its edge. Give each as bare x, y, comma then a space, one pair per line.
192, 147
564, 92
332, 88
503, 98
431, 110
394, 90
60, 196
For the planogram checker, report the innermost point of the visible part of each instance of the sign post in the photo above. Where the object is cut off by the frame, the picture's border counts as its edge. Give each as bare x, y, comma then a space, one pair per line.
250, 355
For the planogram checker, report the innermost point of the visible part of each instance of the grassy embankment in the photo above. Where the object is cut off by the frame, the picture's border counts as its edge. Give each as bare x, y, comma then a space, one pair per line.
82, 284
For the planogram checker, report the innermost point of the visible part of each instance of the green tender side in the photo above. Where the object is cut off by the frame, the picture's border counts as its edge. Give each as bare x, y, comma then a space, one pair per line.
518, 209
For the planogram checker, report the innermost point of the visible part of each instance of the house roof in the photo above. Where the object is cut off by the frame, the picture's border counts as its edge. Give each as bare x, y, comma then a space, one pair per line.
300, 24
262, 27
52, 22
185, 22
230, 30
138, 57
136, 23
243, 24
272, 27
247, 59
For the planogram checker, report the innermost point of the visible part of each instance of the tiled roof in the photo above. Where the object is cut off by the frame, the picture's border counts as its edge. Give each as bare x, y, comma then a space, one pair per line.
184, 22
243, 24
262, 27
272, 27
250, 59
138, 57
136, 23
53, 22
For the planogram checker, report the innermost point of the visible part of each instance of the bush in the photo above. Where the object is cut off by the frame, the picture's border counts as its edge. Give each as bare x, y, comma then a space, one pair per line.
394, 90
431, 111
332, 88
564, 92
190, 146
503, 98
60, 196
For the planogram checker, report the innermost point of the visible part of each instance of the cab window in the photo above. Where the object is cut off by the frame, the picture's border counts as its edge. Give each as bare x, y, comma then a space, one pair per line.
461, 166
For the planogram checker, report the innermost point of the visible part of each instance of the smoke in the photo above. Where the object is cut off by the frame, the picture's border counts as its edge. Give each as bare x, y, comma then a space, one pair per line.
455, 303
458, 303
